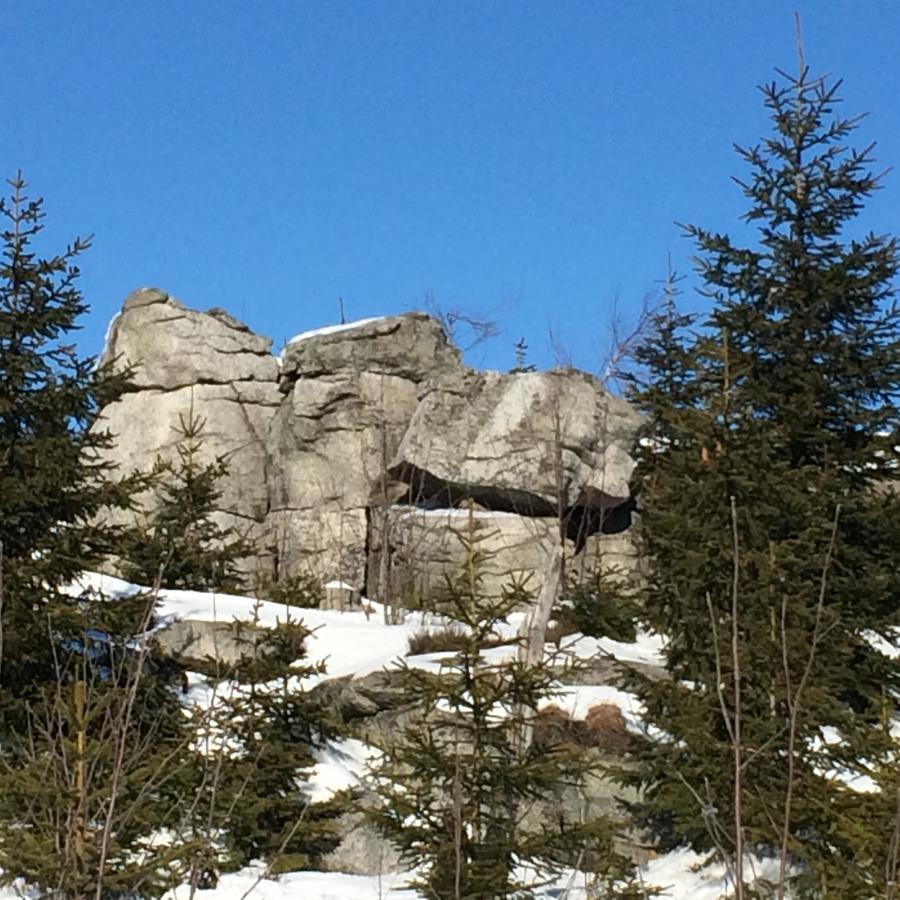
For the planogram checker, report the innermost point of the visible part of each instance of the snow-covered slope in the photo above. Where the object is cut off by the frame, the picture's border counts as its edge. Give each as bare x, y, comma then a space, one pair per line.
360, 642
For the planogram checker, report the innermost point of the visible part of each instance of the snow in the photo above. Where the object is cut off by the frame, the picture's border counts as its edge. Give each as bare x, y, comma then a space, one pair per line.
355, 643
890, 648
647, 648
251, 882
349, 643
338, 586
683, 874
679, 874
340, 765
333, 329
461, 512
109, 331
578, 699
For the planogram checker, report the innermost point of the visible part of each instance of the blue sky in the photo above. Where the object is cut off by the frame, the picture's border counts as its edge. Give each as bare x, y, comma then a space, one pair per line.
523, 161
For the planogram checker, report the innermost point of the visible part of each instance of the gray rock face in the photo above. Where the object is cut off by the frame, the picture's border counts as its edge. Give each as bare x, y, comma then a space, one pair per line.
208, 364
377, 710
349, 395
359, 417
195, 641
513, 441
171, 346
362, 850
411, 346
236, 420
426, 549
609, 553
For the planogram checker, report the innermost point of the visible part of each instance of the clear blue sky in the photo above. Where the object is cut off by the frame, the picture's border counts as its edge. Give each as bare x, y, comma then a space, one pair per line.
527, 161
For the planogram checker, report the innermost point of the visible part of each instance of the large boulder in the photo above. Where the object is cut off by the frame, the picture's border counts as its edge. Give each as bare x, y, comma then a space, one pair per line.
170, 346
427, 549
610, 554
411, 346
203, 644
350, 392
355, 418
525, 442
186, 363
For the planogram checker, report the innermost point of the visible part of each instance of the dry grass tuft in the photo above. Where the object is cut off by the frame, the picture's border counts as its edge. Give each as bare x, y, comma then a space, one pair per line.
554, 727
605, 727
440, 641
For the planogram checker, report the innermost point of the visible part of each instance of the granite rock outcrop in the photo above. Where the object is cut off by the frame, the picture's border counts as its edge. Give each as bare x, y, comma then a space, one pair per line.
358, 455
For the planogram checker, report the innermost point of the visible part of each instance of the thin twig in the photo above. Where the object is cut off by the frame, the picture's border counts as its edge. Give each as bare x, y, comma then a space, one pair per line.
794, 700
736, 663
708, 812
124, 727
1, 611
892, 864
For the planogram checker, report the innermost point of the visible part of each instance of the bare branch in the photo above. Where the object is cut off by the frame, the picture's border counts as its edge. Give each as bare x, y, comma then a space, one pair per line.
794, 701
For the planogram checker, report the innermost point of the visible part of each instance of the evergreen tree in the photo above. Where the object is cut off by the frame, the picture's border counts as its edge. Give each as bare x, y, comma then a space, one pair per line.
522, 365
179, 542
455, 785
257, 751
771, 520
99, 766
85, 715
53, 482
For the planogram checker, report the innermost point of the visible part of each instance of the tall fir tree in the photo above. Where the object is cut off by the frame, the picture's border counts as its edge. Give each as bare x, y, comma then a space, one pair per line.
80, 704
258, 745
53, 480
98, 768
255, 744
770, 516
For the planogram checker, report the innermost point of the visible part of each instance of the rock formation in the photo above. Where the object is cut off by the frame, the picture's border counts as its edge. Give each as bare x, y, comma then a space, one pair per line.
349, 393
531, 442
208, 364
358, 456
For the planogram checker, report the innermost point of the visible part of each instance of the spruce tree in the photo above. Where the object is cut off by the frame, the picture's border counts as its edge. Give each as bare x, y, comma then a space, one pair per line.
97, 770
53, 482
456, 784
86, 709
257, 748
179, 543
770, 516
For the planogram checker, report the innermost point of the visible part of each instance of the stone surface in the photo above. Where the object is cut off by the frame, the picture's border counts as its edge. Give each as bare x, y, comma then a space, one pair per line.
349, 396
351, 699
510, 440
412, 346
197, 641
608, 553
351, 461
359, 417
425, 549
362, 850
236, 417
340, 596
171, 346
208, 364
375, 709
